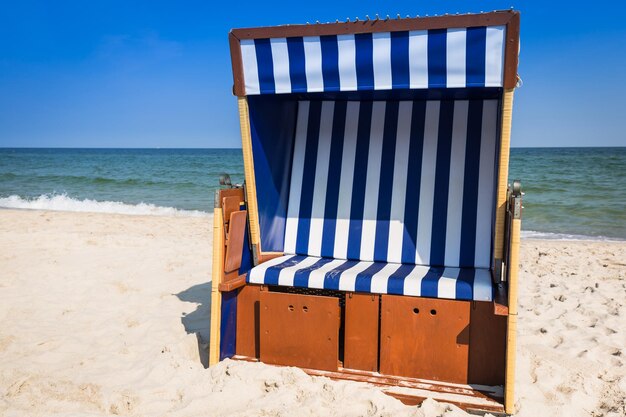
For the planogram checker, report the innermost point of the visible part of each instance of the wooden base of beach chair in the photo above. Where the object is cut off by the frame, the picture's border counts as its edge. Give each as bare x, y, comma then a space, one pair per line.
456, 348
477, 399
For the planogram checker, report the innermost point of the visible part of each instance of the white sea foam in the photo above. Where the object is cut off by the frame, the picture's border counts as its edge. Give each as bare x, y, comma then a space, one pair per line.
532, 234
61, 202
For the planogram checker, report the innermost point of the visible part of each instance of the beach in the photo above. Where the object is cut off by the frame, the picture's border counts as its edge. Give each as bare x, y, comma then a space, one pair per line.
108, 314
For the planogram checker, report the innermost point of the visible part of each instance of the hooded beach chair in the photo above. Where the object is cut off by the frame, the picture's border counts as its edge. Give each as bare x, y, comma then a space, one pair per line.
375, 237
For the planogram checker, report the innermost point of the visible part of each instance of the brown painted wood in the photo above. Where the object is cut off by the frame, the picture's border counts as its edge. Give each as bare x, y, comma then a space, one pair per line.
234, 248
239, 88
299, 330
425, 338
361, 332
266, 256
487, 350
511, 51
509, 18
232, 284
230, 205
231, 192
247, 342
413, 400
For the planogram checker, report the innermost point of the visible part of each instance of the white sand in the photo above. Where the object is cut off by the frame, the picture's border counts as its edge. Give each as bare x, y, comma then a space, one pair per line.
105, 314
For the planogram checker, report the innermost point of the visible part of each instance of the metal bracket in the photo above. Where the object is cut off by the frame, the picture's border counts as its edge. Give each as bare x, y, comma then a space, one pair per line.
516, 197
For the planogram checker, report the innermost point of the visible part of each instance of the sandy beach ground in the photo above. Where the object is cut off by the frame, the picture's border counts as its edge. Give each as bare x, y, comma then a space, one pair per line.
105, 314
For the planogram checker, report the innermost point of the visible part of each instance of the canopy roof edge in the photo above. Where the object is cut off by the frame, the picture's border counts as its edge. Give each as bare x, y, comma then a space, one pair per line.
508, 18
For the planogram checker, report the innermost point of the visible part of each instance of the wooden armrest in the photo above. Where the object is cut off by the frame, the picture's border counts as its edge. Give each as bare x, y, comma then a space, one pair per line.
233, 284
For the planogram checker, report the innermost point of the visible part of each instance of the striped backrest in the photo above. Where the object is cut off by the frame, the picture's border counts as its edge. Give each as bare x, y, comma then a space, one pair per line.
436, 58
394, 181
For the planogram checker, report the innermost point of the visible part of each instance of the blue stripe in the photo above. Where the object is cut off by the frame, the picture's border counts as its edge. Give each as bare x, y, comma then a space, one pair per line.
430, 283
265, 65
364, 61
301, 277
413, 185
437, 71
363, 282
334, 175
228, 324
272, 273
470, 185
395, 284
360, 175
297, 71
385, 187
400, 59
308, 178
331, 279
475, 57
442, 180
465, 284
330, 62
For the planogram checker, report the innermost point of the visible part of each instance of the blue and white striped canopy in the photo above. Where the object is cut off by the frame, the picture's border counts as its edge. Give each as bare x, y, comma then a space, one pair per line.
437, 58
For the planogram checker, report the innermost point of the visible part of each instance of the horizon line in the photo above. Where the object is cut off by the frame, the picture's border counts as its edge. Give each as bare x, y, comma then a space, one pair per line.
239, 148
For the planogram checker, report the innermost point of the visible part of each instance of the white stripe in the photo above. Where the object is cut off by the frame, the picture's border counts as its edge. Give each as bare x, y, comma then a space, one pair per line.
418, 58
446, 286
313, 63
297, 170
372, 182
380, 278
456, 46
413, 281
482, 285
257, 274
286, 275
486, 185
347, 280
347, 62
280, 61
455, 188
316, 277
400, 169
494, 56
346, 181
381, 55
321, 179
427, 183
250, 69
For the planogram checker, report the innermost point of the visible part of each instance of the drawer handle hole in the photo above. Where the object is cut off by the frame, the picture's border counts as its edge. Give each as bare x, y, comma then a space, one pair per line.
305, 308
416, 310
290, 308
433, 312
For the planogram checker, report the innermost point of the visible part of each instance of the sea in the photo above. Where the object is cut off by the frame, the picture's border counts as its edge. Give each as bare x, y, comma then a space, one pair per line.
570, 193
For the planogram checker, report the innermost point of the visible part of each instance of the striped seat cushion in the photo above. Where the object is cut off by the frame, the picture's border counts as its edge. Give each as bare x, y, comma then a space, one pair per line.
374, 277
394, 181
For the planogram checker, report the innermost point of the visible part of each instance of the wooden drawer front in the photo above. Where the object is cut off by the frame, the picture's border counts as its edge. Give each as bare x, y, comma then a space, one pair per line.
300, 330
487, 355
361, 332
425, 338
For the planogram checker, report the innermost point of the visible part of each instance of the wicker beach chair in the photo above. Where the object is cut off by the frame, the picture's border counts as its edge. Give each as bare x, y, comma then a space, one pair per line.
375, 238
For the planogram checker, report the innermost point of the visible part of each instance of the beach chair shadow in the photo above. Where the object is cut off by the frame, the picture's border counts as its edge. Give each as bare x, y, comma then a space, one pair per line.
197, 321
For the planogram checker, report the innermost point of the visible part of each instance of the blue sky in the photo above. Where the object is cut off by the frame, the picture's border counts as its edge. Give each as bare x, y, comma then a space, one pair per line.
157, 74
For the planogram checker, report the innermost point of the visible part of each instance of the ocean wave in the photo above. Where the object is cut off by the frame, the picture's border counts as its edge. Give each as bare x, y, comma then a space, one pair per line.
533, 234
62, 202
